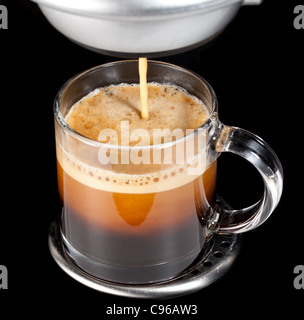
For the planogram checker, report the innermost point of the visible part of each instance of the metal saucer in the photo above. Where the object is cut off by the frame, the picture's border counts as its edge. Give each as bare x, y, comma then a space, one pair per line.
206, 271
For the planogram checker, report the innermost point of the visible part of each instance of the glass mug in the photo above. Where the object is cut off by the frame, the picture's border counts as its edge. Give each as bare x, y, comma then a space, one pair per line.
145, 221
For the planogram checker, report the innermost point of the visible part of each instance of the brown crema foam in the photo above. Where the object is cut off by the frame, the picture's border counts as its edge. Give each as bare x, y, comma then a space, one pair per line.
170, 107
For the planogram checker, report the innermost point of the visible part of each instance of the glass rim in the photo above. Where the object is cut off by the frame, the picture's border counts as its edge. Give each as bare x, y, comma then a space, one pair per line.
63, 124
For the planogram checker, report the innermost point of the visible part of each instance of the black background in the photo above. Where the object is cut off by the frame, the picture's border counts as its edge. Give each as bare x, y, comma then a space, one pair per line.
255, 66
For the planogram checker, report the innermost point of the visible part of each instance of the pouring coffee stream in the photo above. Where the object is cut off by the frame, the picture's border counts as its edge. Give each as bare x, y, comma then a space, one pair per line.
142, 68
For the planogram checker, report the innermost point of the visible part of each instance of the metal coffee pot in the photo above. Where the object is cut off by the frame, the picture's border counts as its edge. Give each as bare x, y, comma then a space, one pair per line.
151, 28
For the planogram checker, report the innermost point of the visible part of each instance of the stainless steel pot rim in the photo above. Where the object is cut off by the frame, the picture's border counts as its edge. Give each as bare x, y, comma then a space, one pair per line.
143, 9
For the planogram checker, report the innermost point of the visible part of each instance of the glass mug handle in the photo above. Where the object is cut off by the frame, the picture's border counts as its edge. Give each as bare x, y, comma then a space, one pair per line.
257, 152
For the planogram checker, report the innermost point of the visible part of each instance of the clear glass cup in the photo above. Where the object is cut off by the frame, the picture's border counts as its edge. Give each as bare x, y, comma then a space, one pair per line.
144, 214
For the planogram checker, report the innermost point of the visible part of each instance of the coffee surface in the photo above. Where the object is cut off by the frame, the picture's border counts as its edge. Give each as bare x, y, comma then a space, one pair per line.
170, 107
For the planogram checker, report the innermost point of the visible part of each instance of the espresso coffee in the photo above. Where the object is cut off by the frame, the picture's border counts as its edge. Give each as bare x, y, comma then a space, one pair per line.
139, 222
